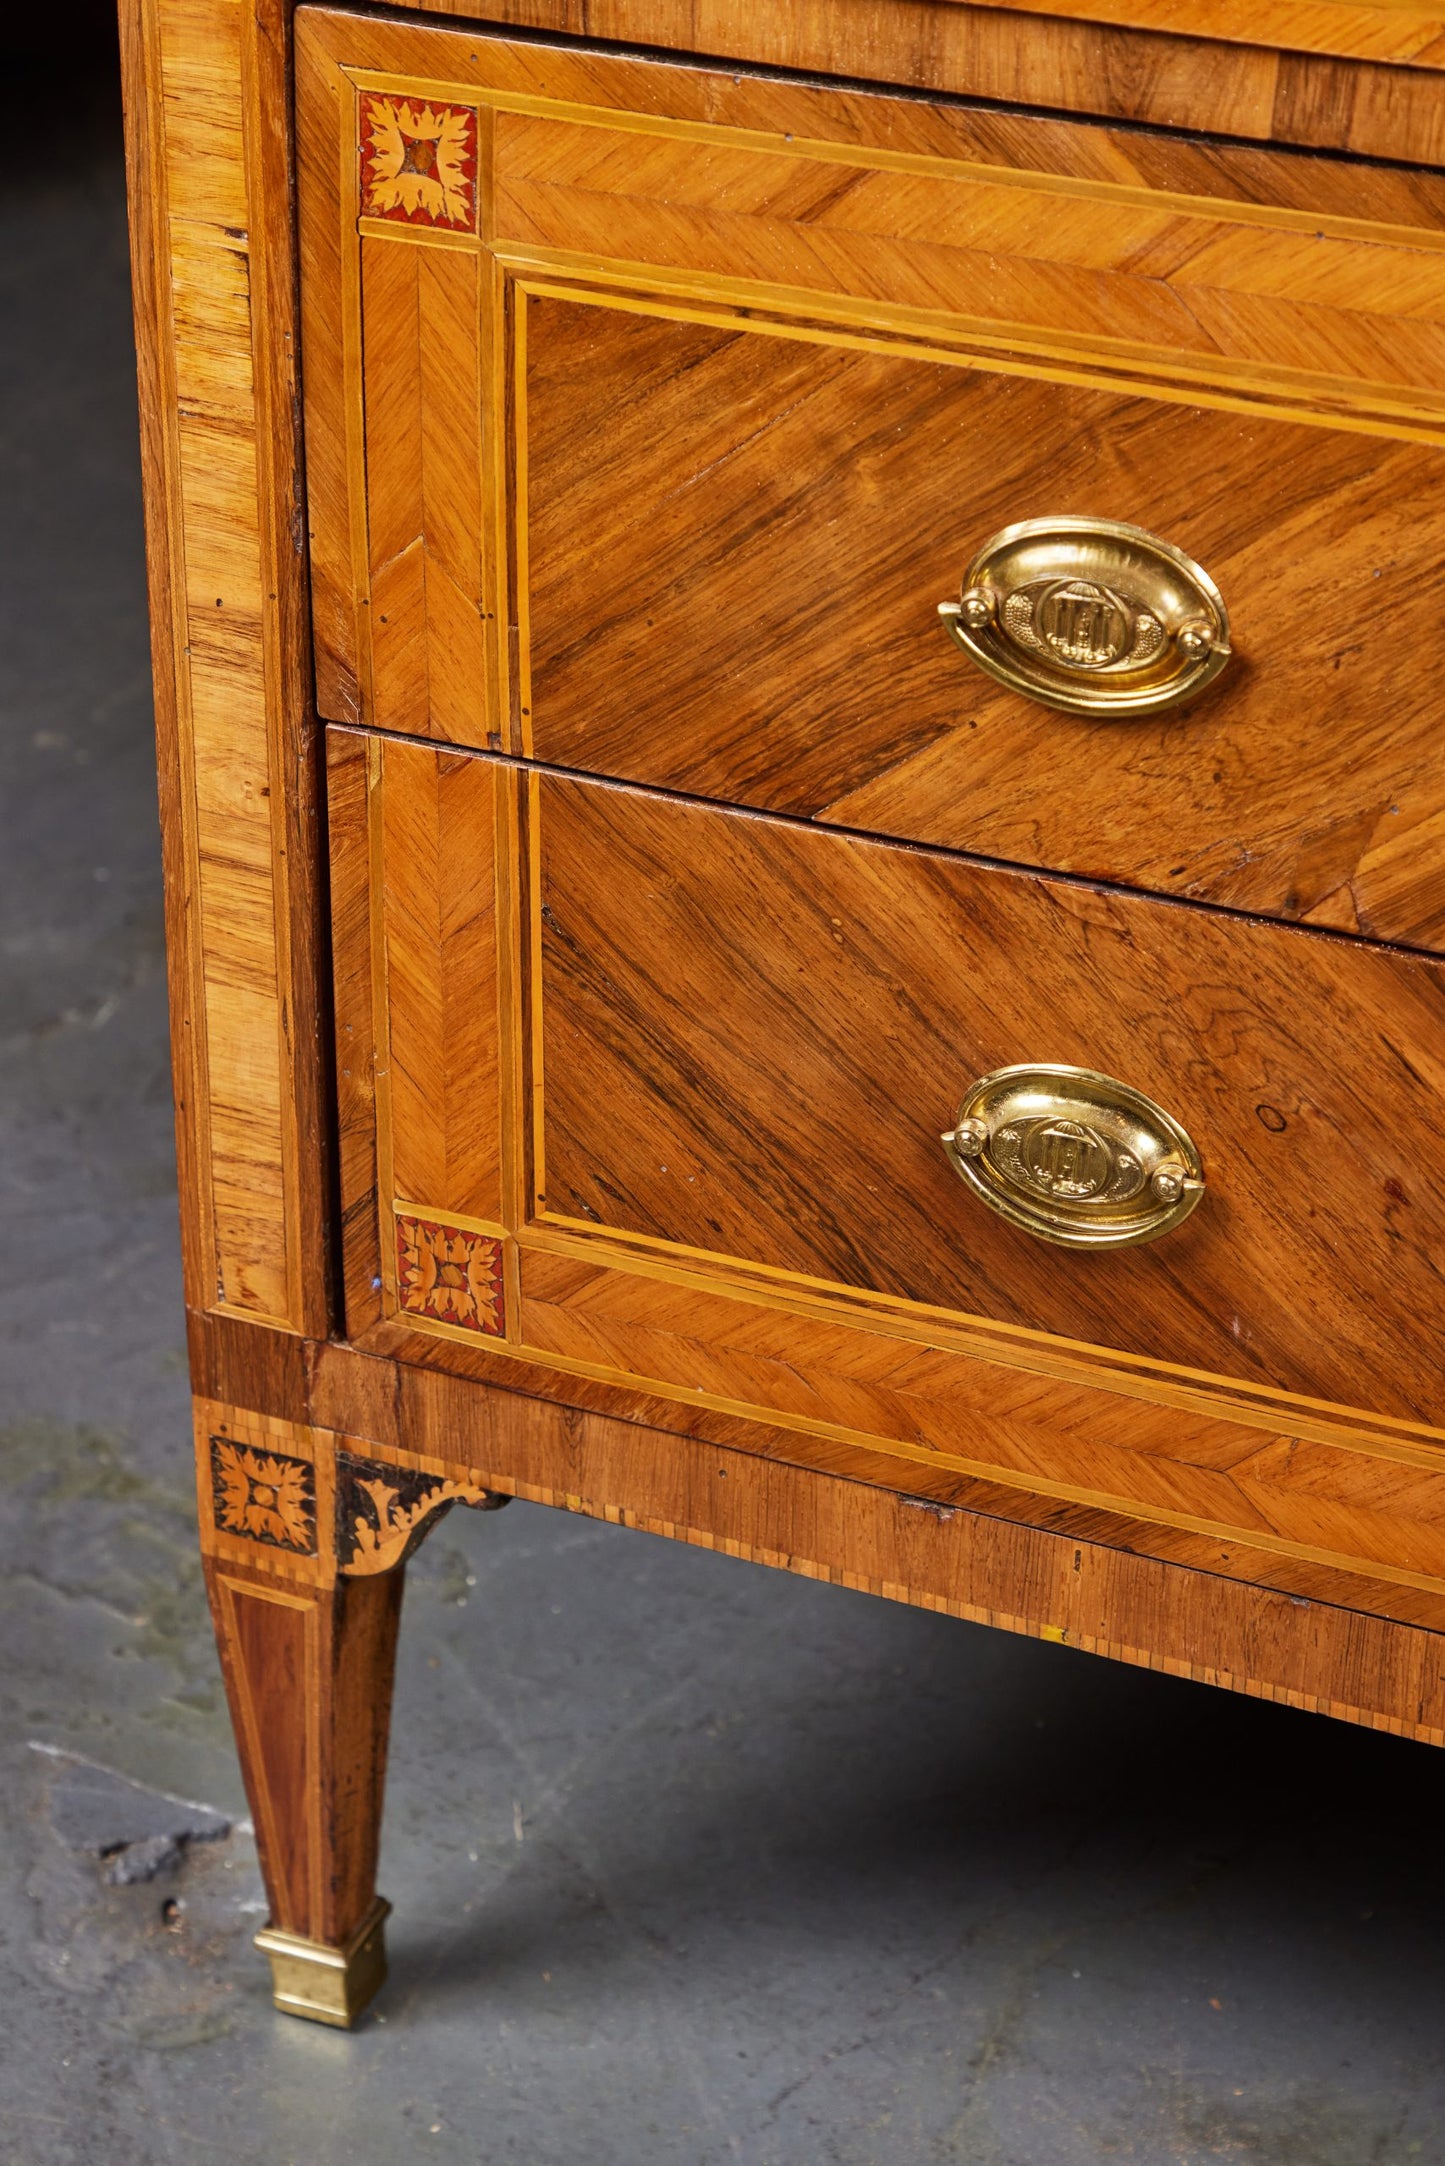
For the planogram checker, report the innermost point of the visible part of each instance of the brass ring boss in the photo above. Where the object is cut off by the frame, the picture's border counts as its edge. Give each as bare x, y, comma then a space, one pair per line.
1091, 616
1075, 1157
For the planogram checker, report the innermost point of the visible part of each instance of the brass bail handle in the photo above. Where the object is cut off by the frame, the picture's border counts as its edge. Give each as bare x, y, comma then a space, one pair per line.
1091, 616
1075, 1157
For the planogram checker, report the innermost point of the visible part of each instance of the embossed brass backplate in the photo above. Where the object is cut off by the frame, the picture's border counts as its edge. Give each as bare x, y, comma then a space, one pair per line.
1074, 1156
1091, 616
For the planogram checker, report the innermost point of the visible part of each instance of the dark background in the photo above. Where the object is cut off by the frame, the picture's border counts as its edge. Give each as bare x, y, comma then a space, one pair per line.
692, 1862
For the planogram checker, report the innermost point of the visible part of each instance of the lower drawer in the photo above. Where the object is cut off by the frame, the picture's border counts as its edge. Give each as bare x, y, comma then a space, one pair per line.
652, 1092
751, 1035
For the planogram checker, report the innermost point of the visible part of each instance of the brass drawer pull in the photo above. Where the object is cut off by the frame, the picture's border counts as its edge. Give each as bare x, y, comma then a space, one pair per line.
1074, 1156
1091, 616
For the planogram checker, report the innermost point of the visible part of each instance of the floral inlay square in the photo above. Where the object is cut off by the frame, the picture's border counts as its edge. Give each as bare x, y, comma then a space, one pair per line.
453, 1276
264, 1495
418, 162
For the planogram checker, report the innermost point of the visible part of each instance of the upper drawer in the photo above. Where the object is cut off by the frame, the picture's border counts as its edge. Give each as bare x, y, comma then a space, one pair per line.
652, 412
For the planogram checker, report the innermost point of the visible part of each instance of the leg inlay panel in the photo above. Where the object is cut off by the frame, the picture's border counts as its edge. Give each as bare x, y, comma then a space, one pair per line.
264, 1495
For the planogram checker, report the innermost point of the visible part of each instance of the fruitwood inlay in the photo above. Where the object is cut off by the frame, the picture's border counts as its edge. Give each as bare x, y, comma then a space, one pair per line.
450, 1275
1079, 1579
264, 1495
384, 1512
265, 1491
419, 161
540, 282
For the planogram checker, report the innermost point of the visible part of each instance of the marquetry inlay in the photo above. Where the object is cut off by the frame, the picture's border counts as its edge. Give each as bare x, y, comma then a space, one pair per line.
264, 1495
382, 1511
419, 162
450, 1275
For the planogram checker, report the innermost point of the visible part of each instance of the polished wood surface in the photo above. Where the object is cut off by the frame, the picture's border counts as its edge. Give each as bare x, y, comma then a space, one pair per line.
868, 342
1236, 66
308, 1661
214, 296
730, 1044
859, 204
751, 1036
1066, 1587
375, 1394
736, 543
421, 371
534, 976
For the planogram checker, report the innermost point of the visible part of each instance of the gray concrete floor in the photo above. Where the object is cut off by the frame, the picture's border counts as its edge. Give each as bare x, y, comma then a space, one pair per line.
691, 1862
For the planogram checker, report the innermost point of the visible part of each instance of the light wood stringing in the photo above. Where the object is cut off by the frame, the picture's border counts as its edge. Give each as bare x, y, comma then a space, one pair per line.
913, 265
1293, 1480
208, 157
734, 544
1067, 1587
207, 116
1230, 65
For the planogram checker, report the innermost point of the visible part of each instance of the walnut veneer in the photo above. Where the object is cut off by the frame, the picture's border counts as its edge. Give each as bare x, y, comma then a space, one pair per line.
594, 877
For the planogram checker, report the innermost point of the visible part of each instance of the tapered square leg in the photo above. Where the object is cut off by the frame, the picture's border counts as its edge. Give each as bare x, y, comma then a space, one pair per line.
309, 1676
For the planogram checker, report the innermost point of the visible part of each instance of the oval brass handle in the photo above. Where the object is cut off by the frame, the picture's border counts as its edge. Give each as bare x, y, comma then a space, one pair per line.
1074, 1156
1091, 616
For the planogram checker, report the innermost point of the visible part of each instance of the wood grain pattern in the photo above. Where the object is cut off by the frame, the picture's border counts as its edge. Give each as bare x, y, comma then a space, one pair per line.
808, 1403
719, 1241
1214, 68
514, 70
350, 777
309, 1679
1370, 1506
920, 1421
1225, 267
424, 491
437, 865
208, 160
373, 1394
737, 543
1027, 253
1066, 1586
308, 1660
735, 513
754, 1034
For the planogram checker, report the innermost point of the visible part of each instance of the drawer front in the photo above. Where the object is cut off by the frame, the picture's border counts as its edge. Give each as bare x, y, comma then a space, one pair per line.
735, 548
752, 1036
652, 412
651, 1094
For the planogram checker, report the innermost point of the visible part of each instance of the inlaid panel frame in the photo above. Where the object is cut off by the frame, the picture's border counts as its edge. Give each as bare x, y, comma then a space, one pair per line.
1293, 1492
528, 1241
1391, 889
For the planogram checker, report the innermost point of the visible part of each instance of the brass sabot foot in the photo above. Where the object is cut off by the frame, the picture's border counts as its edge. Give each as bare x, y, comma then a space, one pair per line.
325, 1984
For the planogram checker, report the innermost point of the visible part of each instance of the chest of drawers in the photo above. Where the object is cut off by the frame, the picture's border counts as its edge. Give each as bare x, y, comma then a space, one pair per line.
797, 662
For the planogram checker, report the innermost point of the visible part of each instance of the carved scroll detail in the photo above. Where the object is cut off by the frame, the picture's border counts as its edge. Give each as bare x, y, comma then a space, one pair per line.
383, 1512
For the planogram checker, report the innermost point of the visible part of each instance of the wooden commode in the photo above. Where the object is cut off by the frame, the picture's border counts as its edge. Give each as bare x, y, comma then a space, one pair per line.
798, 662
